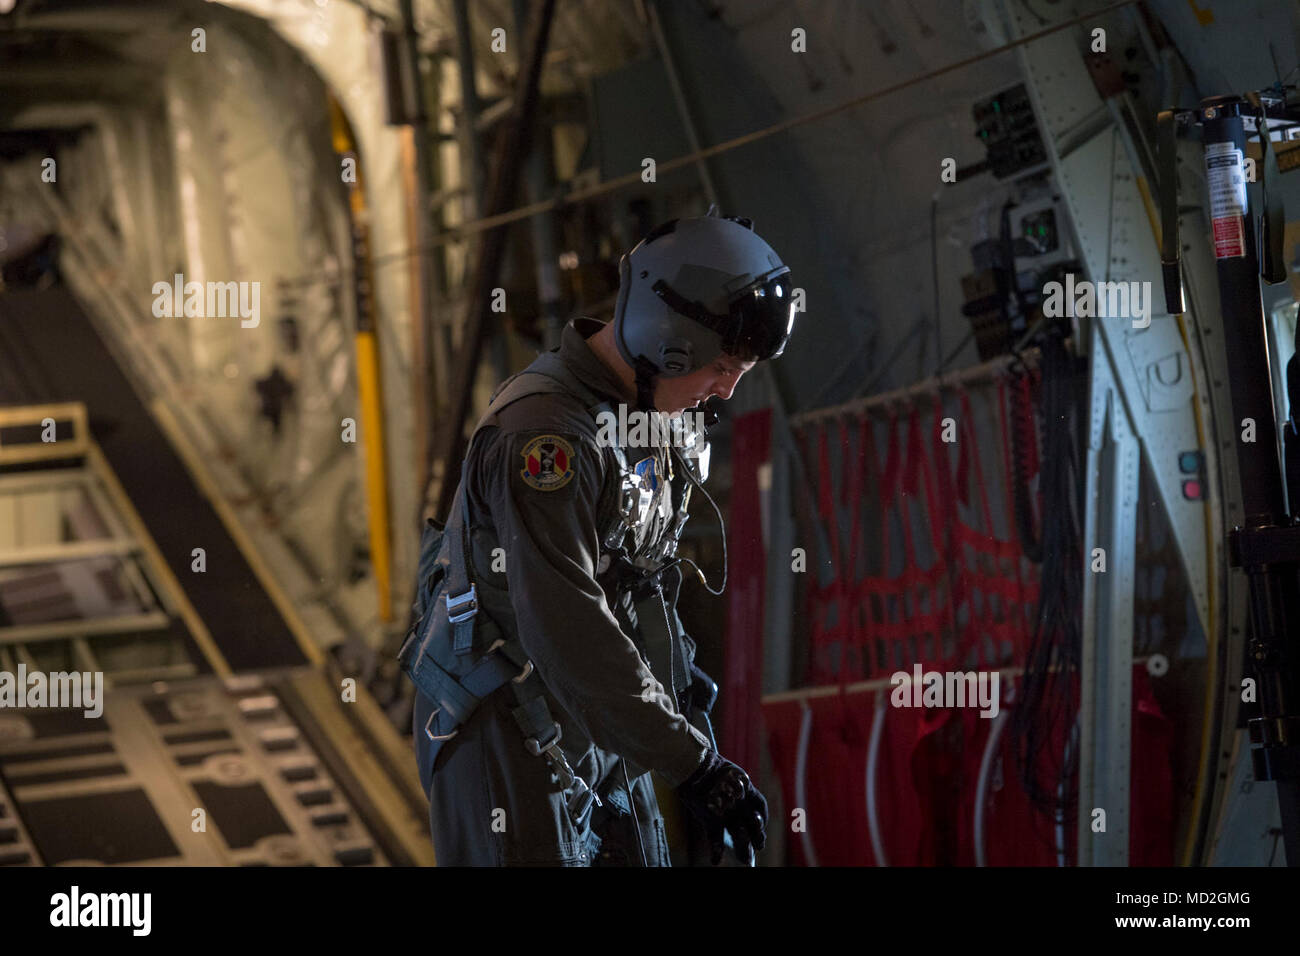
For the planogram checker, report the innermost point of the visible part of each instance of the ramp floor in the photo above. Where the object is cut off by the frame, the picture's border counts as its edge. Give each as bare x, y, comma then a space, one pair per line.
50, 352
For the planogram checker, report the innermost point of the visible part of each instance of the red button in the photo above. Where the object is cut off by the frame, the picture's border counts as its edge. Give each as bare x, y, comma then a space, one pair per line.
1192, 490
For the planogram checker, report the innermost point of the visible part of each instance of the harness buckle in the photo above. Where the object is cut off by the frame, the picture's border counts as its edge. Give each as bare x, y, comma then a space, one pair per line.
583, 795
462, 607
540, 750
554, 756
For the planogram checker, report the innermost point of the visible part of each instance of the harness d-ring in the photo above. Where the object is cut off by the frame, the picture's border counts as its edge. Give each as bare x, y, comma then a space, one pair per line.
428, 728
528, 665
518, 679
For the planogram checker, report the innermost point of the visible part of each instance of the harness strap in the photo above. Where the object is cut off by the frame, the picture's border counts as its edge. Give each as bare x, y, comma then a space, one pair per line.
503, 661
1272, 265
462, 596
458, 697
1171, 252
542, 739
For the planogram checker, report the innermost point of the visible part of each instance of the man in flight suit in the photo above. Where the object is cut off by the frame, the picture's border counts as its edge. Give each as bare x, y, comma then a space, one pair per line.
551, 669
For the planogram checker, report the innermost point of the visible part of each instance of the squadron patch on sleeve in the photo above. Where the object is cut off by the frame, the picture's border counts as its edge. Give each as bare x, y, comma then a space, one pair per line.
549, 463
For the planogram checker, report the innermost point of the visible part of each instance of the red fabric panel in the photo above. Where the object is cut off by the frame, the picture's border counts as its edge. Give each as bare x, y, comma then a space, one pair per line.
781, 723
927, 780
1151, 822
1015, 833
936, 775
900, 805
835, 788
742, 677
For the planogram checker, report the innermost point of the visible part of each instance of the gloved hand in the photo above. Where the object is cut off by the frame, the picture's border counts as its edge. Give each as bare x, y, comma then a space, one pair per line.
722, 797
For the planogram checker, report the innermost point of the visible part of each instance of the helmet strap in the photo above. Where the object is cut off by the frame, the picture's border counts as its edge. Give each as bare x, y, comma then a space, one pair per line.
645, 383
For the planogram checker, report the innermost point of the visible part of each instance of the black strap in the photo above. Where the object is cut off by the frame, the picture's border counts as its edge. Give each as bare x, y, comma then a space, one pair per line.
458, 697
1171, 255
645, 384
542, 739
1273, 264
724, 326
1272, 221
461, 595
548, 365
552, 366
508, 661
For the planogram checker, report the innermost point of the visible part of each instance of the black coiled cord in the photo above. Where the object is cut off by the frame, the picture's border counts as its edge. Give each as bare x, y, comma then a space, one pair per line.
1044, 719
1024, 434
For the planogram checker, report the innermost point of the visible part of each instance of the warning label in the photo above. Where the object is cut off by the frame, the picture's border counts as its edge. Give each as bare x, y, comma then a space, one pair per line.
1228, 239
1226, 179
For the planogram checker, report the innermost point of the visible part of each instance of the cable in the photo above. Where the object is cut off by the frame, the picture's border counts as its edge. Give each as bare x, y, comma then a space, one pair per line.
1062, 841
1050, 702
1023, 430
690, 476
954, 353
1024, 435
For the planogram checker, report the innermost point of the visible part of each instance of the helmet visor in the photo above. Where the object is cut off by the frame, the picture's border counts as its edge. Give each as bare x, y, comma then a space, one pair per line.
762, 317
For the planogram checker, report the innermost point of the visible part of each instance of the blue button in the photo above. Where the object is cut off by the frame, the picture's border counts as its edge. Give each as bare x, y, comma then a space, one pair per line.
1189, 462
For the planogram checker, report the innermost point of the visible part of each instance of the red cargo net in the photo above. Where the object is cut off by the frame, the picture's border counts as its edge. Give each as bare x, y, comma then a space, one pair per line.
970, 604
879, 784
866, 783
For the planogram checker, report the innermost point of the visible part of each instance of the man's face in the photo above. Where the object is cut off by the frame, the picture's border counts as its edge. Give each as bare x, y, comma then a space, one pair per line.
673, 395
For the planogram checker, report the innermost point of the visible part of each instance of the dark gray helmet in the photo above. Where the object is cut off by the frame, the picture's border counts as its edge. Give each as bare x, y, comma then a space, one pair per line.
695, 288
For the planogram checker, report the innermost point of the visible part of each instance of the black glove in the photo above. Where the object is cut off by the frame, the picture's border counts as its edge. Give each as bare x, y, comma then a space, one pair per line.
721, 796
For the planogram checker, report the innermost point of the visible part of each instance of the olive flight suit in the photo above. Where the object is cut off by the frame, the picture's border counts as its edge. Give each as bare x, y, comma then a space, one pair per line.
572, 632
